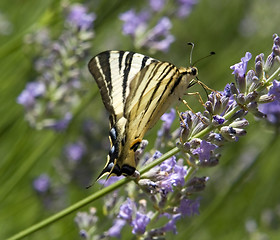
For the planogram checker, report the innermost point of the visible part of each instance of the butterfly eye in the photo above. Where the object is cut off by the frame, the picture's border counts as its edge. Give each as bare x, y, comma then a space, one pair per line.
194, 71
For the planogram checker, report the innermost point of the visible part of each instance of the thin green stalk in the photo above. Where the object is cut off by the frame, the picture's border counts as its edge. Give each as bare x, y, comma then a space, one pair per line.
90, 199
70, 209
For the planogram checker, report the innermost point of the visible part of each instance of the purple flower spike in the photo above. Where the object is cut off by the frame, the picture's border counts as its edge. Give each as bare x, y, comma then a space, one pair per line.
29, 94
168, 119
239, 69
204, 151
272, 109
62, 124
79, 17
115, 230
275, 90
159, 37
42, 183
126, 210
139, 223
157, 5
133, 21
171, 225
189, 207
185, 7
75, 151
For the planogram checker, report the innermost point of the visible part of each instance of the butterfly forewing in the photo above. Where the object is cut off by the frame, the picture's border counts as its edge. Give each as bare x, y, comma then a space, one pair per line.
113, 72
150, 96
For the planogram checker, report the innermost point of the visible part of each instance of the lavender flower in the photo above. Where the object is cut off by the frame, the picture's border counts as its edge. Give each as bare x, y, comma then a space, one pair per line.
171, 225
86, 221
155, 37
115, 230
133, 22
139, 223
189, 207
51, 99
75, 151
126, 210
185, 7
28, 96
42, 183
240, 68
204, 150
129, 214
159, 37
157, 5
272, 109
79, 17
59, 124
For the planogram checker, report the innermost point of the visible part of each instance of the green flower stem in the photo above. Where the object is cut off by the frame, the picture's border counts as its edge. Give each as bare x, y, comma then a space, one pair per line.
90, 199
273, 76
268, 81
69, 210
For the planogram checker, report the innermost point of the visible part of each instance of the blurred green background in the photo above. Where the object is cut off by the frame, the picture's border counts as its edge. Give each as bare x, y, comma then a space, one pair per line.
241, 200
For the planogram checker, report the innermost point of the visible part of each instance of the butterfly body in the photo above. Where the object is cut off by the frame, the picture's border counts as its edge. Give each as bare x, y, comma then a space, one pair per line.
136, 90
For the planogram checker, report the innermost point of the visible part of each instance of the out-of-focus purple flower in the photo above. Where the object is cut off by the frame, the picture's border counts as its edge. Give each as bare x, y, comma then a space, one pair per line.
62, 124
159, 38
75, 151
126, 210
133, 21
171, 225
239, 69
110, 180
115, 230
168, 119
28, 95
189, 207
204, 151
275, 90
157, 5
42, 183
79, 17
272, 109
86, 222
157, 154
139, 223
185, 7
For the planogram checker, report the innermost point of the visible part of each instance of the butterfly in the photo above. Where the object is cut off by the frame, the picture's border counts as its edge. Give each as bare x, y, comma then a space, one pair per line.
136, 90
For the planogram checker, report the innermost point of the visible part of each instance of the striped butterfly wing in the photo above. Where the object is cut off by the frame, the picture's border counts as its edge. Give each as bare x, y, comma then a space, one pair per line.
152, 92
113, 72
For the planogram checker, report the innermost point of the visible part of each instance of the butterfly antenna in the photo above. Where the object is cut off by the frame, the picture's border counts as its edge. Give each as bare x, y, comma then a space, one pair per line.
210, 54
191, 44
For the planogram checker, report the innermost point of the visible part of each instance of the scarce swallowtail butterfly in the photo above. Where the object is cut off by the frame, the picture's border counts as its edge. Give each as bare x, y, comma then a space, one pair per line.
136, 90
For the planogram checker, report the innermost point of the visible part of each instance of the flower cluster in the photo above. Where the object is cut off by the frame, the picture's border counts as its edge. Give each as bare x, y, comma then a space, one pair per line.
155, 37
223, 119
172, 185
50, 99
